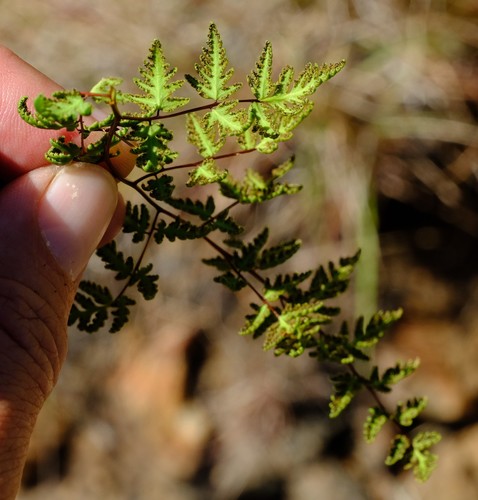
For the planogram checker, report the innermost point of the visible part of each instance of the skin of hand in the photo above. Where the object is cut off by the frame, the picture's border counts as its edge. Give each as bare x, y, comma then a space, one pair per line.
51, 221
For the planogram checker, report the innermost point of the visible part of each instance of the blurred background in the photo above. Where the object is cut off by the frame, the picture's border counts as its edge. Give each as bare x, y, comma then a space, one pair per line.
178, 406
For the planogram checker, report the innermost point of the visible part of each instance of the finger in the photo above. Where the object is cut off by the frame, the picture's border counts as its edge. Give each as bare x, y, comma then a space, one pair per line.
75, 212
22, 147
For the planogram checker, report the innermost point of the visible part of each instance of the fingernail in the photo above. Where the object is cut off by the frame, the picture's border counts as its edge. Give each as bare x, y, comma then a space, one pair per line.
75, 212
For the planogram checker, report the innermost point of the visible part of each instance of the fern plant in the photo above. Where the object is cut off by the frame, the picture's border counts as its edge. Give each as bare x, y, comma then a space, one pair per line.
292, 312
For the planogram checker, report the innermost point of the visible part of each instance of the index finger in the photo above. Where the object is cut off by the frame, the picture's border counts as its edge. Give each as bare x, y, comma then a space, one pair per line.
22, 147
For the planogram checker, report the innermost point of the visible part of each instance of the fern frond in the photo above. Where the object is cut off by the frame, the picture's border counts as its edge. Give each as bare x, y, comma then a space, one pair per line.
152, 140
284, 284
115, 260
62, 152
213, 74
284, 104
93, 306
422, 461
89, 310
398, 448
337, 348
415, 454
378, 324
155, 84
160, 188
106, 91
180, 229
145, 281
290, 97
277, 255
230, 123
424, 440
227, 224
295, 328
95, 151
292, 311
273, 127
331, 281
120, 312
406, 413
250, 257
136, 221
260, 79
206, 173
125, 269
400, 371
254, 188
231, 281
220, 263
61, 110
247, 259
257, 323
100, 125
373, 424
203, 135
203, 210
346, 387
249, 139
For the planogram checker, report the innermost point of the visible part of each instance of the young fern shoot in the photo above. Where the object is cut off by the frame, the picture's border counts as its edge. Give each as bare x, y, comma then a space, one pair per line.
293, 312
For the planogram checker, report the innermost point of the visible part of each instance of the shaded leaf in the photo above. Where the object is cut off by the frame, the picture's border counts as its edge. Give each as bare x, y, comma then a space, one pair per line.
160, 188
136, 221
115, 260
203, 210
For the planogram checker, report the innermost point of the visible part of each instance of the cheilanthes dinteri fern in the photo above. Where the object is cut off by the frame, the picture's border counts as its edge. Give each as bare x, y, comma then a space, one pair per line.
292, 313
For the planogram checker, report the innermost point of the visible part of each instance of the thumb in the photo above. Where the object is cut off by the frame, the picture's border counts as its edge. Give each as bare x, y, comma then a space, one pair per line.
51, 220
75, 212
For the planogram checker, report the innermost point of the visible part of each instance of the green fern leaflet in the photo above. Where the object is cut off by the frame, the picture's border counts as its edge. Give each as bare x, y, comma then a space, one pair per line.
156, 86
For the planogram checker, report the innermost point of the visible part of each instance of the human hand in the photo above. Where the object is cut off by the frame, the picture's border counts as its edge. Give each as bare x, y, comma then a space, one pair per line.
51, 221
